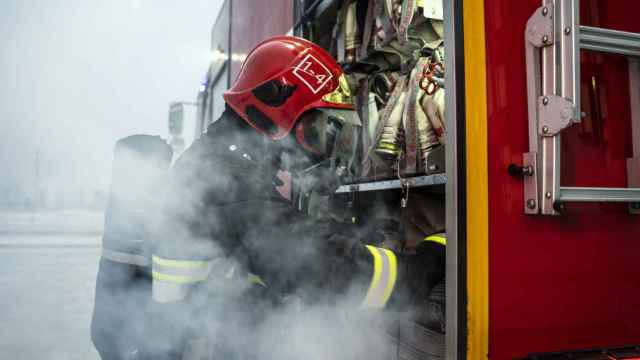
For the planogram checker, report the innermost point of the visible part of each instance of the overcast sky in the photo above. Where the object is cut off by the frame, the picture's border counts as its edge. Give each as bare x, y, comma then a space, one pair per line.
79, 74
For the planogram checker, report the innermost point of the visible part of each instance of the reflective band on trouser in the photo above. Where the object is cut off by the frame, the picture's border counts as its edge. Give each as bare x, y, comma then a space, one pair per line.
173, 278
385, 270
124, 257
437, 238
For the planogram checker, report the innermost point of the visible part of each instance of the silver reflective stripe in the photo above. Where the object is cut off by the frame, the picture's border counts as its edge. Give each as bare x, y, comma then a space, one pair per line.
169, 292
383, 279
124, 258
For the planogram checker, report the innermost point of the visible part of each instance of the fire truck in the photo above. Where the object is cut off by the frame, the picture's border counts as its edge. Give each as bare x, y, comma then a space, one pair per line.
542, 164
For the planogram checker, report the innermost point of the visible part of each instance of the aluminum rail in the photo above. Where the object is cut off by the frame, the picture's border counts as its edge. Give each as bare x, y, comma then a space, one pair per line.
610, 41
417, 181
596, 194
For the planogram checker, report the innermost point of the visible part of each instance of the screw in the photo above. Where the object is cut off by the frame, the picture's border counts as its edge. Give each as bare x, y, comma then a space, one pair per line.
531, 204
548, 195
567, 30
433, 167
545, 129
545, 100
545, 39
545, 11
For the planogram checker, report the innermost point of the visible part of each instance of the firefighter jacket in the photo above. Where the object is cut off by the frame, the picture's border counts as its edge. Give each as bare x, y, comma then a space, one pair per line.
226, 235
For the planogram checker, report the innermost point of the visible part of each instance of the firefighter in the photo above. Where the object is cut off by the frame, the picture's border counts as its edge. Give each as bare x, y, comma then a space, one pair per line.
234, 235
123, 285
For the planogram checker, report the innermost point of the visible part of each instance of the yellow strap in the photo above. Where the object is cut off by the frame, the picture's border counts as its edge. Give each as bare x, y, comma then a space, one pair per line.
437, 238
178, 279
385, 273
179, 263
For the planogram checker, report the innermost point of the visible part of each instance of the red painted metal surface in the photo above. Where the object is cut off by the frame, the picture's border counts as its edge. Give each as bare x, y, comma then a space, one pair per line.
255, 20
569, 282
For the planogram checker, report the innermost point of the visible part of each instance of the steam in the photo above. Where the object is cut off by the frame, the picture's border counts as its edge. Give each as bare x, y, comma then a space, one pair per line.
309, 307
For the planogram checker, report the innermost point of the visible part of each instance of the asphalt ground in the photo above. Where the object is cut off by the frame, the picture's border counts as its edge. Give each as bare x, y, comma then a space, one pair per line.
47, 285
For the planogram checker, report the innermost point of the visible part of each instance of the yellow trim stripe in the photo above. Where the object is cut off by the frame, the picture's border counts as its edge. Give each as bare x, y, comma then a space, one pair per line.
385, 273
178, 279
437, 239
255, 279
377, 272
477, 180
179, 263
393, 274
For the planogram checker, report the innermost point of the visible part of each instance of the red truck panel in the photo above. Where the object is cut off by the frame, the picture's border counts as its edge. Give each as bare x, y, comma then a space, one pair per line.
253, 21
568, 282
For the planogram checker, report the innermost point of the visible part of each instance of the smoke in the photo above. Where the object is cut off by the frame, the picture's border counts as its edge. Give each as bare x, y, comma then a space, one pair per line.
220, 205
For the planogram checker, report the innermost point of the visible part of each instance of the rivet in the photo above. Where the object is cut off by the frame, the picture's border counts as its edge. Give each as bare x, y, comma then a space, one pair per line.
545, 100
531, 204
545, 39
548, 195
567, 30
545, 129
545, 11
232, 148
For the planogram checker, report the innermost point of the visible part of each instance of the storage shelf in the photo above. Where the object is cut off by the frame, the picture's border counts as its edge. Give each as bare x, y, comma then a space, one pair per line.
416, 181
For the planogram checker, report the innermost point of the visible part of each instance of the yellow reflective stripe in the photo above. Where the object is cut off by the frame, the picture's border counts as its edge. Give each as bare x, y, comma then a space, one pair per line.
385, 272
438, 238
377, 272
178, 279
179, 263
393, 274
255, 279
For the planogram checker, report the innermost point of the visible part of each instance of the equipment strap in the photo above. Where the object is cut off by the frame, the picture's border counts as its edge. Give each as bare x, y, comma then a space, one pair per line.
385, 270
408, 9
384, 116
409, 117
124, 257
369, 24
386, 20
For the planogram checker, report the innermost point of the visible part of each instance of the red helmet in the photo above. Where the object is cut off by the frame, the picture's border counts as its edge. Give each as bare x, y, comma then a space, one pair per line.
283, 77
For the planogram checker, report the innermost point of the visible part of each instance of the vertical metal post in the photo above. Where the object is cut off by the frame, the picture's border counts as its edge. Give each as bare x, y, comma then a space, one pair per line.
569, 31
456, 315
633, 164
550, 145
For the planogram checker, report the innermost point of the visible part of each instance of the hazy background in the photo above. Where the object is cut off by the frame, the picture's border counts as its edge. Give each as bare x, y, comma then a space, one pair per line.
77, 75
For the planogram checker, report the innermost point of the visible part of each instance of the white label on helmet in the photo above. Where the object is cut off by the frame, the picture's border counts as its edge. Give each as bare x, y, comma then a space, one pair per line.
313, 73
